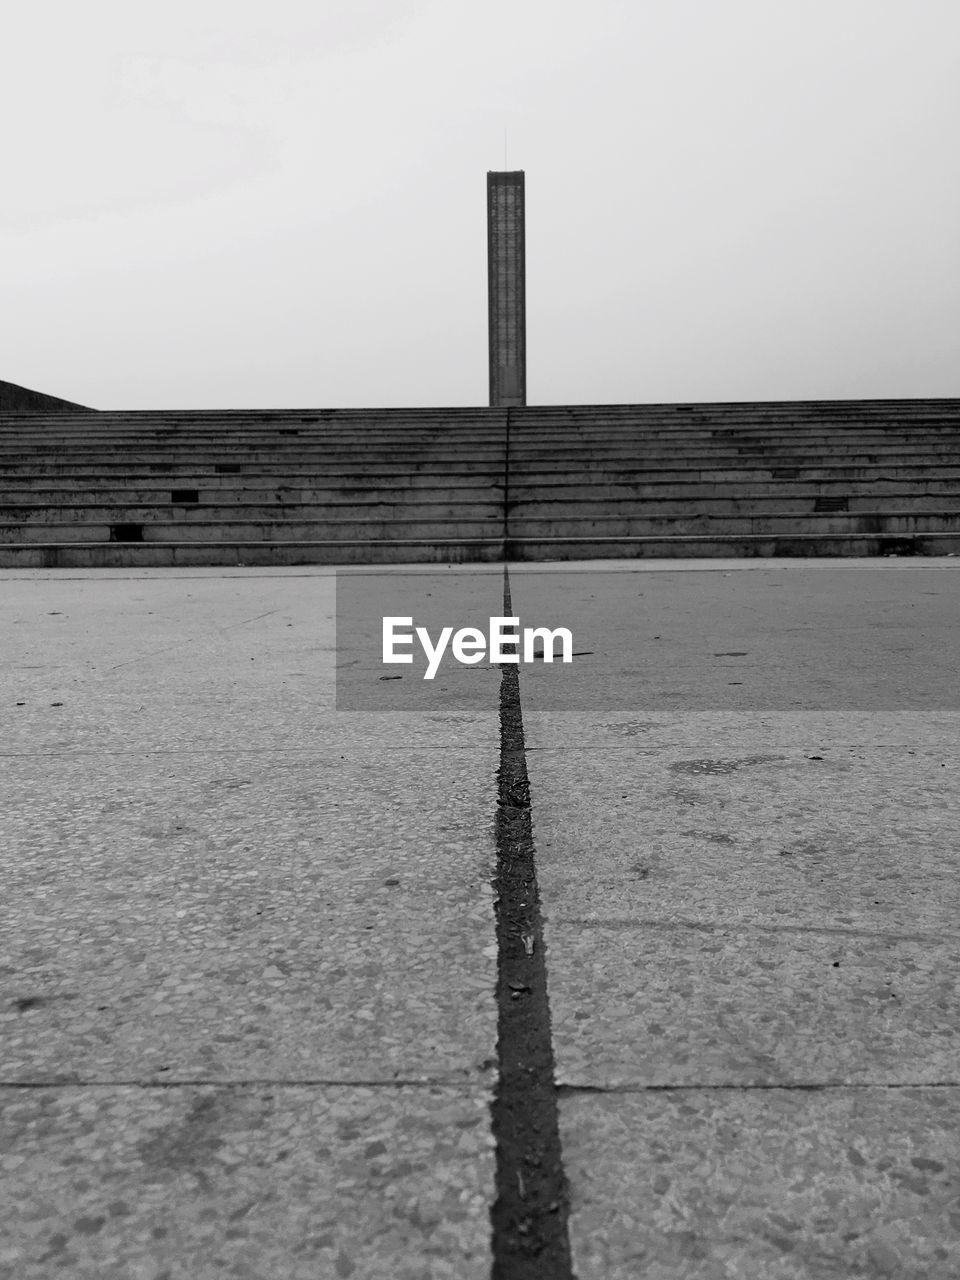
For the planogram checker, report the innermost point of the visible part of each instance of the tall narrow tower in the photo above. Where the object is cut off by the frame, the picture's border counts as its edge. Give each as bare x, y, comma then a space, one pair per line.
506, 291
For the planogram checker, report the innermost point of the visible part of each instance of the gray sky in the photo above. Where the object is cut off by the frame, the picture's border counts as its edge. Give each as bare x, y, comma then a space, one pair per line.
223, 203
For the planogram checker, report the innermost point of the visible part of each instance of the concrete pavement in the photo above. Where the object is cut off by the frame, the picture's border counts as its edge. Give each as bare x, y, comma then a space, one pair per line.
749, 877
249, 963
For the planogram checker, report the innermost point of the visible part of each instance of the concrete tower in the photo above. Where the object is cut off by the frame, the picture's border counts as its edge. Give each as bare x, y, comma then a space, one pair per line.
506, 292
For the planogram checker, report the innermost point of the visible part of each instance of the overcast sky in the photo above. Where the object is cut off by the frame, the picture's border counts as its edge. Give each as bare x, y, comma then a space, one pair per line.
242, 203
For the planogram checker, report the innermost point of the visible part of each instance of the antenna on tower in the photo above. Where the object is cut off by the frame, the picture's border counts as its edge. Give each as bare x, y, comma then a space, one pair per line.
504, 150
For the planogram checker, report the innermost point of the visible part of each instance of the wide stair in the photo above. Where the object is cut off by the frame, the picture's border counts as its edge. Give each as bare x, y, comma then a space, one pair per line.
252, 488
829, 478
809, 478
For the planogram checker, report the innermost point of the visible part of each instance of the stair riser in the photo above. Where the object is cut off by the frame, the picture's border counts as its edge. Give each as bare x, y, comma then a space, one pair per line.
581, 508
595, 461
525, 529
273, 531
725, 475
265, 497
736, 548
627, 471
737, 415
638, 526
147, 555
741, 491
248, 513
597, 435
573, 509
589, 456
618, 481
320, 460
431, 471
596, 441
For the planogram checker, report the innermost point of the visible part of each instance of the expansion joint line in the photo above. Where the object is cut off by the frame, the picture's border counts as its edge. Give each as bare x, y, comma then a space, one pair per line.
529, 1216
506, 489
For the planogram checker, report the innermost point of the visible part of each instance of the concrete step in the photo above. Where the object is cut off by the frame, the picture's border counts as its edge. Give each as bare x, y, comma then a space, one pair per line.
698, 547
132, 425
749, 410
308, 480
588, 511
582, 503
475, 445
599, 460
246, 512
833, 412
353, 469
430, 551
587, 505
572, 489
100, 429
308, 486
813, 432
346, 437
705, 470
305, 482
110, 555
13, 450
351, 486
413, 459
477, 442
710, 523
726, 412
581, 508
722, 454
329, 530
737, 411
521, 470
646, 448
227, 492
428, 416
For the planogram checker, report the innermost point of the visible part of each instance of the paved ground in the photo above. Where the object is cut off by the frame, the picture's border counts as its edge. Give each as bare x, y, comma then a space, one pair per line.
248, 1018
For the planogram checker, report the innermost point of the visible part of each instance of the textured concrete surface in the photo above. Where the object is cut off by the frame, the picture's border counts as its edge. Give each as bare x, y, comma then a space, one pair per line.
751, 917
88, 660
247, 973
751, 904
247, 1024
807, 636
779, 1184
434, 602
308, 917
248, 1183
